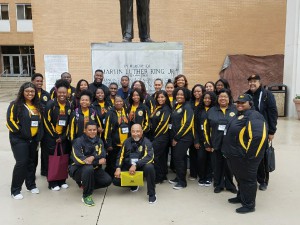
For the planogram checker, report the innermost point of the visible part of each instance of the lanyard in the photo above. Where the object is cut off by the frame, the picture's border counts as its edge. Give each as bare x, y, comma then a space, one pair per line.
31, 112
259, 100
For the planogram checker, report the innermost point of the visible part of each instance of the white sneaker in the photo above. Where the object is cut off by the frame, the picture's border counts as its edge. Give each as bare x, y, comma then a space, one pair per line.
64, 186
56, 188
35, 191
17, 197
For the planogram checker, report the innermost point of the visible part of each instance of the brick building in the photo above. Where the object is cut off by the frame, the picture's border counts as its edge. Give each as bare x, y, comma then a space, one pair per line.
208, 29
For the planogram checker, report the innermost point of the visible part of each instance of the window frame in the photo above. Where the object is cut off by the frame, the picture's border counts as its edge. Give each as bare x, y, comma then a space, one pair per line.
4, 4
24, 11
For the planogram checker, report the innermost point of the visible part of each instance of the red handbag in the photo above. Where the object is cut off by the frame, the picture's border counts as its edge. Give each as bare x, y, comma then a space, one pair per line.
58, 165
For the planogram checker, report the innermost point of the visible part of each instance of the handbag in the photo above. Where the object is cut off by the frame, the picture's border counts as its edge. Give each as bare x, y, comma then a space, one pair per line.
270, 156
132, 180
58, 165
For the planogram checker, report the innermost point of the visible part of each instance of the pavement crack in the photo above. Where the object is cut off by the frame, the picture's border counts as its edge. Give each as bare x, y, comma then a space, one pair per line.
101, 206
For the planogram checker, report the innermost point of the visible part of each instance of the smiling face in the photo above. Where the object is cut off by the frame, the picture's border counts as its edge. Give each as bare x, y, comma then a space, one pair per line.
158, 85
197, 92
62, 94
169, 89
119, 103
83, 86
209, 87
161, 99
242, 106
98, 77
135, 97
180, 97
100, 95
180, 82
113, 89
91, 131
253, 85
85, 101
29, 93
136, 132
219, 85
38, 82
137, 85
207, 100
223, 99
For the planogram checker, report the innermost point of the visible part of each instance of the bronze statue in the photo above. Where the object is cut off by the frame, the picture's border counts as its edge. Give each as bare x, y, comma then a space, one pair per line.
126, 9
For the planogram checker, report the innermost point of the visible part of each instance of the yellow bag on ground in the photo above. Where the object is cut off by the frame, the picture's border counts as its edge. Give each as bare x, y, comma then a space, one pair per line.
132, 180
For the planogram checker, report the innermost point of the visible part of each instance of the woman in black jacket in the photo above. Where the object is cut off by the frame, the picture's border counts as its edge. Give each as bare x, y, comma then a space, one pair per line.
159, 134
181, 135
25, 131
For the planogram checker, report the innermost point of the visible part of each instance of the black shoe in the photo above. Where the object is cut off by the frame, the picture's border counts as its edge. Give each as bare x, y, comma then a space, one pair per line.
134, 188
178, 186
263, 187
243, 210
152, 199
147, 40
174, 181
234, 191
218, 189
235, 200
127, 39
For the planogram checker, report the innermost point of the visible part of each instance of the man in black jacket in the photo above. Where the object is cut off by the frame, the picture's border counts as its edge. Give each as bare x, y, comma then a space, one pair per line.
264, 102
98, 79
88, 156
136, 154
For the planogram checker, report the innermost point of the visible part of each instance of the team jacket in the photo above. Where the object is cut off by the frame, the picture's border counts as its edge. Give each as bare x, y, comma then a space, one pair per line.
77, 122
265, 103
200, 117
84, 147
182, 120
215, 124
150, 102
44, 98
101, 112
116, 128
53, 93
160, 120
142, 150
141, 116
19, 123
52, 116
245, 136
94, 86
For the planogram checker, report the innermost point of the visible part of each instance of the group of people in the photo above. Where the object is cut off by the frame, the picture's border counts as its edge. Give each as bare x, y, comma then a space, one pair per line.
128, 129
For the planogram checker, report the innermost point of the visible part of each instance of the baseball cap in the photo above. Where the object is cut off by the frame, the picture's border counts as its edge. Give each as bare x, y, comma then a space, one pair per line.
244, 98
254, 77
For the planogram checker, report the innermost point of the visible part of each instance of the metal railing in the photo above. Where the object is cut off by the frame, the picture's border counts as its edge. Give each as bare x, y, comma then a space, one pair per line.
4, 73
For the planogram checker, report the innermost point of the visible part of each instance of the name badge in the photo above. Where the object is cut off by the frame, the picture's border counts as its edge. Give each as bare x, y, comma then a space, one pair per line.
62, 123
202, 128
125, 130
134, 160
34, 123
170, 126
222, 127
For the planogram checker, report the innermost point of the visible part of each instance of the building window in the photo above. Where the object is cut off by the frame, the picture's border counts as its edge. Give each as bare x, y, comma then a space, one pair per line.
4, 12
24, 12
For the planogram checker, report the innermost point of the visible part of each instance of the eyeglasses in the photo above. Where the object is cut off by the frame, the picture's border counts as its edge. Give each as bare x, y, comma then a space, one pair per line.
28, 91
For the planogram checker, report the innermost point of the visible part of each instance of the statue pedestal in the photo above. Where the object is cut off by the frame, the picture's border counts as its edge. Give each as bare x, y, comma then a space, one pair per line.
140, 61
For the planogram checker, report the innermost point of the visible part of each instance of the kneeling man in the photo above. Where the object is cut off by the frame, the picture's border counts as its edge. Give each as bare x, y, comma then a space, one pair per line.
136, 154
88, 156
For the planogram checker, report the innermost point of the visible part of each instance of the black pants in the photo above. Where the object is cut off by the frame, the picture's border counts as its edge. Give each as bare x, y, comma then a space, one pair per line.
111, 160
245, 171
126, 10
160, 157
180, 158
262, 172
26, 156
91, 179
149, 173
194, 166
204, 164
223, 176
49, 144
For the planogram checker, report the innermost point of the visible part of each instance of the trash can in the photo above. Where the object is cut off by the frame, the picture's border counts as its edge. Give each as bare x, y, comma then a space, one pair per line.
280, 94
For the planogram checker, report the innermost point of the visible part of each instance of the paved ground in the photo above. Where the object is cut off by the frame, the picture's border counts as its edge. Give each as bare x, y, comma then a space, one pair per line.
191, 206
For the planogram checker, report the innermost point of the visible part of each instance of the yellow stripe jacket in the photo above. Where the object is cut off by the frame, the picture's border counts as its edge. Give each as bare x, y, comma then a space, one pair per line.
245, 136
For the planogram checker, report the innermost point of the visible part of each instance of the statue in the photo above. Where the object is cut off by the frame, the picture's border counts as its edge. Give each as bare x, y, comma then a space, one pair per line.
126, 11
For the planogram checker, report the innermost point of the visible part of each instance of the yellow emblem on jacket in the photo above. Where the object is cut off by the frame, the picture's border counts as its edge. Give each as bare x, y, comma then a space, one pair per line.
140, 113
232, 114
240, 117
45, 98
92, 117
69, 111
158, 113
179, 110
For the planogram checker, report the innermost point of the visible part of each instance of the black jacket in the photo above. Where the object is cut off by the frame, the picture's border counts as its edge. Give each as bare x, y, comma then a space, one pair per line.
53, 93
84, 147
101, 112
94, 86
52, 115
182, 121
200, 117
77, 122
19, 123
245, 135
265, 103
131, 149
113, 128
215, 124
160, 120
141, 116
44, 98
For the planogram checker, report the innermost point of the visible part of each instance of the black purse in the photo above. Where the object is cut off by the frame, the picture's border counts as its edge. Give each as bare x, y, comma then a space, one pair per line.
270, 155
